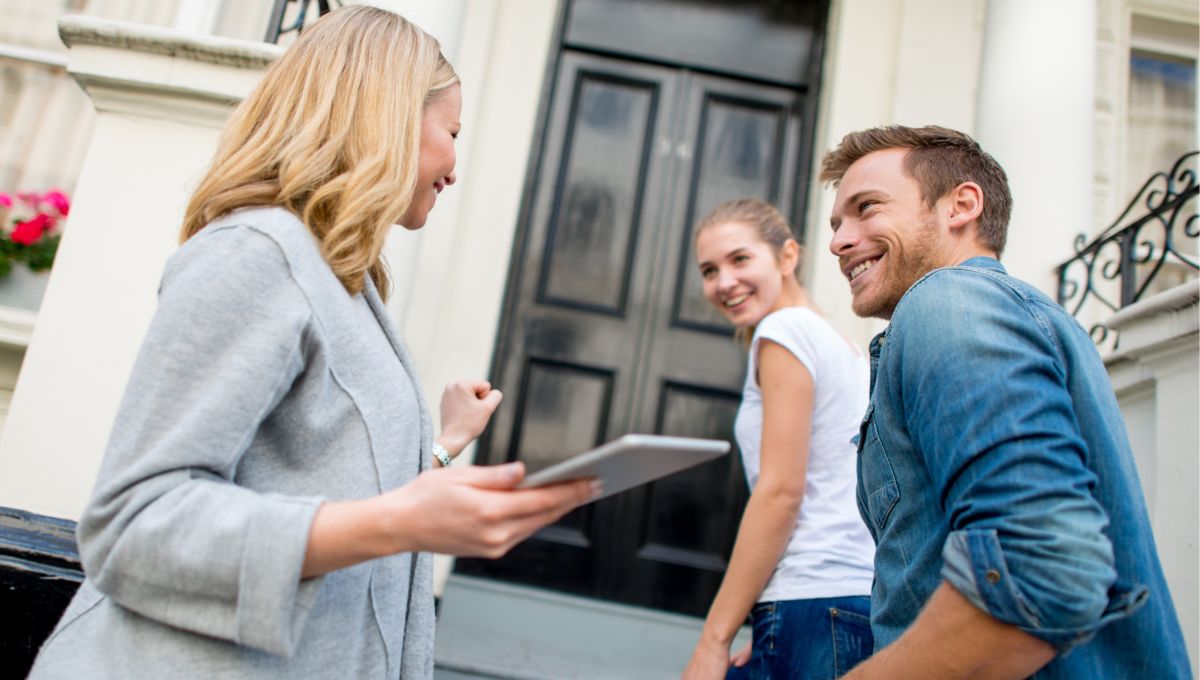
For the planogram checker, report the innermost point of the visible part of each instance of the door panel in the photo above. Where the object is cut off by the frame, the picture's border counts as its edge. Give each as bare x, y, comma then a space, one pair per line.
593, 231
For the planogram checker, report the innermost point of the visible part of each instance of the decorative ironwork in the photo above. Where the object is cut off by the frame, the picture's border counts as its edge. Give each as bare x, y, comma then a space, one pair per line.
278, 25
1135, 248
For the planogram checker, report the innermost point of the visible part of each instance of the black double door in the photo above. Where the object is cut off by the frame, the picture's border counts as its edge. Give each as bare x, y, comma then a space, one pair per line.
606, 331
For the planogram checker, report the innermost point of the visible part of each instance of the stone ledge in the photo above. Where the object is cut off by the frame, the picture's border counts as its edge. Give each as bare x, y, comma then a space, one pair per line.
1159, 320
1174, 299
16, 326
152, 73
76, 30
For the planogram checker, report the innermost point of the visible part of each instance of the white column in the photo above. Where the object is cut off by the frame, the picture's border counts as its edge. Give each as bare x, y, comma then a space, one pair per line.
937, 63
197, 16
157, 121
1035, 115
443, 19
156, 12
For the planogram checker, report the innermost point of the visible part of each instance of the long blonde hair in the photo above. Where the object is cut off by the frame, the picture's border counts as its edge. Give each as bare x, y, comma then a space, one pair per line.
332, 133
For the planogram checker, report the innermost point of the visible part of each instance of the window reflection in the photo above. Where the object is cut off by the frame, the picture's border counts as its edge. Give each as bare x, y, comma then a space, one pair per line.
591, 236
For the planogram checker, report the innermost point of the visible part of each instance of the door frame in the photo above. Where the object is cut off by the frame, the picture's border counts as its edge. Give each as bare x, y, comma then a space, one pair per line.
798, 203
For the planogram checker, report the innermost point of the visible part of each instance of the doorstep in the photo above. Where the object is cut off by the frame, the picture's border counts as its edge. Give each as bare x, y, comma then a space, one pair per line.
497, 630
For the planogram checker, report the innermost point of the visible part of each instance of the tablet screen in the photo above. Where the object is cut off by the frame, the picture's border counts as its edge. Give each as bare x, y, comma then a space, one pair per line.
631, 460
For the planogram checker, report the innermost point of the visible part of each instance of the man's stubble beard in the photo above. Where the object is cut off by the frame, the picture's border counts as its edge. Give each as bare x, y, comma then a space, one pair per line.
906, 265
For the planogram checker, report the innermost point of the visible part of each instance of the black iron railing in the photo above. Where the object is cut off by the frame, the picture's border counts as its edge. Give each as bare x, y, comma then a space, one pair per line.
280, 23
1120, 265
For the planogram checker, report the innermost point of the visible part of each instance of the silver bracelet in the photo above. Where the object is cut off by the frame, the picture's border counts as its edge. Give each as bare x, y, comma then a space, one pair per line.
441, 454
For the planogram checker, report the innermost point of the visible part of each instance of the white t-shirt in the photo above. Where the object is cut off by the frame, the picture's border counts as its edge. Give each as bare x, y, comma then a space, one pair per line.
830, 553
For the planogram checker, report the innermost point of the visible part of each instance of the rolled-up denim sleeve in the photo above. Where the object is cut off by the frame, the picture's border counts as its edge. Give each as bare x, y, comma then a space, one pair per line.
986, 402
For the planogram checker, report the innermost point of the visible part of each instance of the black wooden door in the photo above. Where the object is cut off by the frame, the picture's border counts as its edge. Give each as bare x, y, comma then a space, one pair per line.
740, 139
606, 332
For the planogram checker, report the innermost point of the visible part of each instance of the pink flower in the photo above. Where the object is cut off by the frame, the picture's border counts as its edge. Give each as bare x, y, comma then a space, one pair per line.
28, 232
5, 201
57, 200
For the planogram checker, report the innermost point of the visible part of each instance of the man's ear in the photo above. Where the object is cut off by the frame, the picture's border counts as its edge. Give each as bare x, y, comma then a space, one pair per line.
964, 204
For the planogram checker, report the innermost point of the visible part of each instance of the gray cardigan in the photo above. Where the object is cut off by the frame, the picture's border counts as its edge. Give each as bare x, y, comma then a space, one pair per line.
258, 393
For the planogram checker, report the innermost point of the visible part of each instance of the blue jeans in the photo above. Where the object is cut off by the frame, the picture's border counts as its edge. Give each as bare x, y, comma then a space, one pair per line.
819, 639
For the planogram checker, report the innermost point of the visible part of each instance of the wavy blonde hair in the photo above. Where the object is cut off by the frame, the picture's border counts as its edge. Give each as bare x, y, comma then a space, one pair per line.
332, 133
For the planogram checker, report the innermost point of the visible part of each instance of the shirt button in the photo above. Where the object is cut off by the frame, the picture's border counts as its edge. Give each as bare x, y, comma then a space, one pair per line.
993, 576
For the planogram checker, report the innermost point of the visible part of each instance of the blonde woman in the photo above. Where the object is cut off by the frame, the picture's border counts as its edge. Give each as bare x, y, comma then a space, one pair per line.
802, 563
266, 504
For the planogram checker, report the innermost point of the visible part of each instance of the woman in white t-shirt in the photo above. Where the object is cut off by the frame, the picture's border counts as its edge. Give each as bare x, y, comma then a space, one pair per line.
801, 566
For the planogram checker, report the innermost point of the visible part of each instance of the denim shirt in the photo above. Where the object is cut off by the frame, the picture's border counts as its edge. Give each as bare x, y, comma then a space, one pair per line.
993, 456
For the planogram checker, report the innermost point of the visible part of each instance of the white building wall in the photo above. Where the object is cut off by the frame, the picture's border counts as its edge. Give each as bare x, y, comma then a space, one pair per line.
1112, 92
1155, 374
44, 118
157, 123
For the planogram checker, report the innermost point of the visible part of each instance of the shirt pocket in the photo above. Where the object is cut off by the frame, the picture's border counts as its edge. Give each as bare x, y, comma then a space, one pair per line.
877, 482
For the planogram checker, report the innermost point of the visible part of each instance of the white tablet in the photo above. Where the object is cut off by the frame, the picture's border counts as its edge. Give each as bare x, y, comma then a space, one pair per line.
631, 460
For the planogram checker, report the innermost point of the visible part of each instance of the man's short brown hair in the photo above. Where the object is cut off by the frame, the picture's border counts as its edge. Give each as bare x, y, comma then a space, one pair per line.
939, 159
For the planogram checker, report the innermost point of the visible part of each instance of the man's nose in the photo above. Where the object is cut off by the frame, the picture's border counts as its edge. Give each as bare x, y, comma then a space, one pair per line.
844, 238
450, 179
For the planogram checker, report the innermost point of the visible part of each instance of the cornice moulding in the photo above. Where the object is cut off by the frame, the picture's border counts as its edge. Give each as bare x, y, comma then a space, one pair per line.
77, 30
156, 73
1184, 11
177, 105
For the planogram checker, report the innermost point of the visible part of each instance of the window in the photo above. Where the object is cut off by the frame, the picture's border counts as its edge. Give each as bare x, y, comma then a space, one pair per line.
1161, 120
1162, 111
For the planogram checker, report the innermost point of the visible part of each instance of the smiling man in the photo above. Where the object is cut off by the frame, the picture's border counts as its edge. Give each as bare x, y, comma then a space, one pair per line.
994, 469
